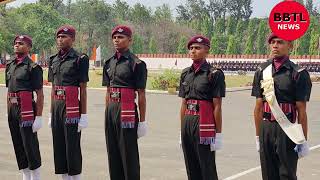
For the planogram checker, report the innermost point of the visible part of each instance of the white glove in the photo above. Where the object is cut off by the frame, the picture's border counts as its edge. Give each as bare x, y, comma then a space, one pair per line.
49, 120
217, 145
302, 149
83, 123
257, 144
37, 124
142, 129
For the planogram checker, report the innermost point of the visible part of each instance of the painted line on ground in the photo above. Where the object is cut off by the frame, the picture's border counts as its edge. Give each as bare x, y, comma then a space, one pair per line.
259, 167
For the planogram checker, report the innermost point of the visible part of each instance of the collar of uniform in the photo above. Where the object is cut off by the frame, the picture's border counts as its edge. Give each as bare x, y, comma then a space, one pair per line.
286, 63
126, 54
71, 53
25, 60
204, 66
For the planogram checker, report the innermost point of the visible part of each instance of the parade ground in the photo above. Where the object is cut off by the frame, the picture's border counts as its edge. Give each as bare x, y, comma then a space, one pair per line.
161, 157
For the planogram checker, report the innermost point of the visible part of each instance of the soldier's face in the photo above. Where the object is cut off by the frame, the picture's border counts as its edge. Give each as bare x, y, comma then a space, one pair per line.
64, 41
280, 47
121, 42
21, 47
198, 51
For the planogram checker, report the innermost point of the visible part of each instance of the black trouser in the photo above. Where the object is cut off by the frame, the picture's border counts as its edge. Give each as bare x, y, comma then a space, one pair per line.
199, 159
277, 156
25, 142
66, 142
122, 146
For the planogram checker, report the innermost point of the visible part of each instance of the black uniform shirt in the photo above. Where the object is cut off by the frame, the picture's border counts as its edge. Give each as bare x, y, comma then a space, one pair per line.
25, 76
206, 84
69, 70
127, 72
291, 83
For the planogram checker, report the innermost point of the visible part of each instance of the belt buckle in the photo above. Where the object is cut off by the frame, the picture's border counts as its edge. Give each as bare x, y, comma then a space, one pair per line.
193, 107
13, 100
115, 94
60, 92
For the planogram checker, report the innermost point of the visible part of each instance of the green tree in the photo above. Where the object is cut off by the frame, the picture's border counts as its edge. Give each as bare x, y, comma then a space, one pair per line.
314, 47
251, 36
232, 45
140, 14
304, 41
218, 45
122, 10
137, 46
217, 9
163, 13
206, 27
240, 9
231, 26
219, 26
182, 47
153, 46
36, 20
262, 36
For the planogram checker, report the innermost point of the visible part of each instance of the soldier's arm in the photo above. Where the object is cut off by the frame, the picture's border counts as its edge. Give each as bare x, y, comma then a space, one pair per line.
37, 86
182, 110
39, 103
107, 96
83, 98
258, 114
142, 104
52, 97
217, 112
302, 116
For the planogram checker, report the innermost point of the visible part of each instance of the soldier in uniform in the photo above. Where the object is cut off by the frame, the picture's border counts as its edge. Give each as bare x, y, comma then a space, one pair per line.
68, 72
292, 85
125, 76
23, 77
201, 89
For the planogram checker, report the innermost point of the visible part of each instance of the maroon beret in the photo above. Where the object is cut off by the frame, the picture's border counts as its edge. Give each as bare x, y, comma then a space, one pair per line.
122, 30
67, 29
271, 36
199, 39
25, 38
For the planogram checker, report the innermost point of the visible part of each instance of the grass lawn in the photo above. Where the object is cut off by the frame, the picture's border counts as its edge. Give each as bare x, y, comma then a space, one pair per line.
95, 77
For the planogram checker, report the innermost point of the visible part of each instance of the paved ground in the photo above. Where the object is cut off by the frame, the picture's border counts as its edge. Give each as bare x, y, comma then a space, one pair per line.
161, 157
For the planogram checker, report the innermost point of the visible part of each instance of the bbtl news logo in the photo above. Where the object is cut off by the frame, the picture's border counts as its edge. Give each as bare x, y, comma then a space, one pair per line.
289, 20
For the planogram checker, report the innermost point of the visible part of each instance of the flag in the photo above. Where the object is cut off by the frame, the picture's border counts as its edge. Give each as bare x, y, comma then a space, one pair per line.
94, 52
98, 54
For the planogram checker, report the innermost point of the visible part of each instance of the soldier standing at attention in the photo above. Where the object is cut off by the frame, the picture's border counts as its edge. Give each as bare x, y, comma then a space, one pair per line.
68, 72
201, 89
23, 77
125, 76
290, 90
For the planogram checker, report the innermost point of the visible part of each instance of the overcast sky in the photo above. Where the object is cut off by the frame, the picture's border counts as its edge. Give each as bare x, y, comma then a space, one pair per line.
261, 8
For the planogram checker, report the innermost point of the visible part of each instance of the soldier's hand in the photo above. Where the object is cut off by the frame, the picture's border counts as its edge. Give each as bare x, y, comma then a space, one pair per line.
49, 120
257, 144
302, 149
142, 129
83, 123
37, 124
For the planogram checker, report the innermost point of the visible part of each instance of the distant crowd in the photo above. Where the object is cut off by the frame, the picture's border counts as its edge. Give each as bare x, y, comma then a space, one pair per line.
251, 66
